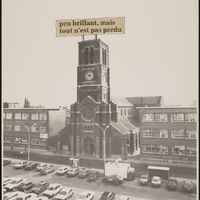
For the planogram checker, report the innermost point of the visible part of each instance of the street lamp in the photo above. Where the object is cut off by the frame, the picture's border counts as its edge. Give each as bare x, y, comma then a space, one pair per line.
29, 136
104, 143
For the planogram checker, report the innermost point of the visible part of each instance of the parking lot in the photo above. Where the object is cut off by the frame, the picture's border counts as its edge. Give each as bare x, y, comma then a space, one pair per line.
130, 188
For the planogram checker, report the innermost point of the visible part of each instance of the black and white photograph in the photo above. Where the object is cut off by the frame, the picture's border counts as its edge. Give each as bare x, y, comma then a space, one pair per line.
100, 100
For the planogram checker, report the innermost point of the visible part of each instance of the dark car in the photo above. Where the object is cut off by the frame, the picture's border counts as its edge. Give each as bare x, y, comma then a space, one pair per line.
73, 171
21, 153
84, 172
6, 162
172, 184
188, 186
94, 175
40, 187
25, 186
108, 196
47, 170
144, 179
31, 165
113, 179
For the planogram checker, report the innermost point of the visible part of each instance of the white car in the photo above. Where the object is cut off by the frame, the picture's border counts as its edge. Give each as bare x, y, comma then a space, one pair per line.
13, 195
41, 166
86, 196
14, 183
124, 197
20, 165
156, 181
62, 170
52, 190
64, 194
7, 180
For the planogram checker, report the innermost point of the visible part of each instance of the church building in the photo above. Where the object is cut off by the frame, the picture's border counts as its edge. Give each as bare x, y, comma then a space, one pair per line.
98, 122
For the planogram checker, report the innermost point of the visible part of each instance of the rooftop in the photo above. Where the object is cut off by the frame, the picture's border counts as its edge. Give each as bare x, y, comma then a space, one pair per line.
146, 100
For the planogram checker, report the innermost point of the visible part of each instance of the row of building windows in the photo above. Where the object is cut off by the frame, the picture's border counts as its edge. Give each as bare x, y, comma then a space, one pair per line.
125, 112
175, 117
25, 116
18, 128
178, 134
24, 140
176, 149
88, 128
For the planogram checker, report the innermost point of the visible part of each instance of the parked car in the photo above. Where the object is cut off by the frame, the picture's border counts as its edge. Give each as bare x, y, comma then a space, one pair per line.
20, 165
31, 196
64, 194
113, 179
21, 153
20, 196
31, 165
172, 184
6, 162
156, 181
188, 186
94, 175
144, 179
25, 186
40, 187
7, 180
14, 183
62, 170
52, 190
84, 172
124, 197
10, 195
41, 166
73, 171
47, 170
86, 196
108, 196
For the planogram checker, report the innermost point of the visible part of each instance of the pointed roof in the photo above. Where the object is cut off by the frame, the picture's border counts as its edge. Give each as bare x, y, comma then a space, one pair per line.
147, 100
87, 100
120, 101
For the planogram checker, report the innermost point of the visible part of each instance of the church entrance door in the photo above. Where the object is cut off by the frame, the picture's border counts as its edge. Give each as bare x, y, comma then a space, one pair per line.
88, 146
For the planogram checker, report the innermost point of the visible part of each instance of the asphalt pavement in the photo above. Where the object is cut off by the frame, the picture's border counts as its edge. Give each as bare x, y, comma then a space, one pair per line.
130, 188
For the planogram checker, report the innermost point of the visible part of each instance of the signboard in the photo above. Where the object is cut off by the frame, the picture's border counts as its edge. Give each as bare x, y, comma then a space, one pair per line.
93, 26
44, 135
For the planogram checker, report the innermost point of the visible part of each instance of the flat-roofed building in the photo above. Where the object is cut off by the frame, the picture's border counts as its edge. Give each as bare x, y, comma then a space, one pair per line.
168, 132
42, 123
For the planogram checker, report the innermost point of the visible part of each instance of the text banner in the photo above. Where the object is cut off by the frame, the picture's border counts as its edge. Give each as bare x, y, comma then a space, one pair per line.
94, 26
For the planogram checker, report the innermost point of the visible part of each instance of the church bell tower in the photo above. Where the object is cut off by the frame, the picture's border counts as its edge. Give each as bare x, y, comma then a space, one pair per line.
91, 113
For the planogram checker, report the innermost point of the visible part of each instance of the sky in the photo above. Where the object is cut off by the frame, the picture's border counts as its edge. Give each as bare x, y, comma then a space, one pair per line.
157, 55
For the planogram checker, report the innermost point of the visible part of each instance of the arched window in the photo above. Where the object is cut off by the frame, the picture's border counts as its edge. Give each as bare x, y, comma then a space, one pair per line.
104, 57
86, 56
91, 55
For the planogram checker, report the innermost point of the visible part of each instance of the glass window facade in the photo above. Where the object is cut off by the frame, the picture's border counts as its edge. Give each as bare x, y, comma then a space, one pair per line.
177, 117
43, 116
190, 117
18, 115
155, 149
35, 116
180, 134
155, 133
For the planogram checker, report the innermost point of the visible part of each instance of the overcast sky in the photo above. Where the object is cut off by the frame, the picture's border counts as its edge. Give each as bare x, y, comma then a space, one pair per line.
158, 54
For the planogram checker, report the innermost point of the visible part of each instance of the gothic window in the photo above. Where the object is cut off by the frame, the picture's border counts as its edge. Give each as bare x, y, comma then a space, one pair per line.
86, 56
104, 56
91, 55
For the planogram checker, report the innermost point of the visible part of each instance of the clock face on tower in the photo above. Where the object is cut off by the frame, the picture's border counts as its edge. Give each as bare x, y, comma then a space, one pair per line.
89, 75
88, 113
